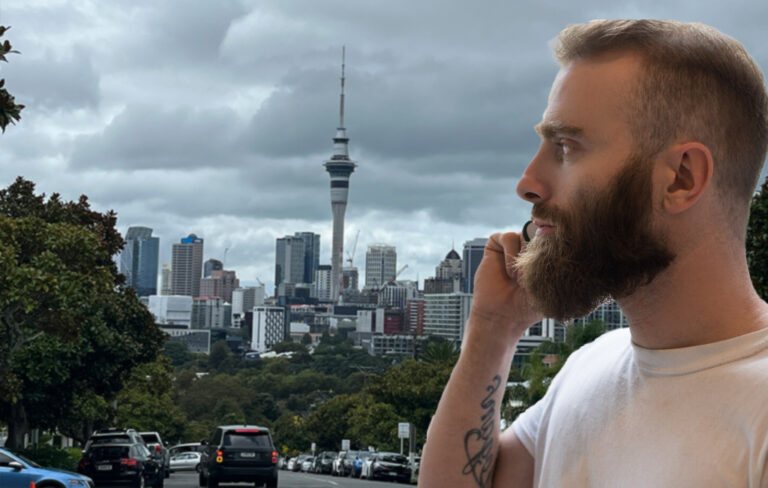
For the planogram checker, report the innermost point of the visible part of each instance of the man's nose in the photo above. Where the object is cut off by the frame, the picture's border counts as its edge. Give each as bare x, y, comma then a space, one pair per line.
534, 186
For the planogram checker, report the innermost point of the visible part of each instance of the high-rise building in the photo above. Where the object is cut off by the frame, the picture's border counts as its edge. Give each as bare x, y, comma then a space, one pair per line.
212, 265
289, 261
268, 327
414, 315
187, 266
138, 260
323, 282
211, 313
446, 314
339, 167
171, 310
350, 278
221, 283
447, 275
165, 280
380, 265
311, 255
473, 254
397, 294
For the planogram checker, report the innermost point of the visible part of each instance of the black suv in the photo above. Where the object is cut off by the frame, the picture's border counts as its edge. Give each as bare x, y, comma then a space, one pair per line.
127, 463
239, 453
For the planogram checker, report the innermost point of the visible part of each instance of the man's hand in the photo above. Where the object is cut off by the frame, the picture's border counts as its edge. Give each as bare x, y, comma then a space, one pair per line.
499, 301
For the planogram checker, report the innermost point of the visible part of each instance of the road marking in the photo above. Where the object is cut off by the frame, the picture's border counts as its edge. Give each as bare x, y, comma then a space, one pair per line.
330, 482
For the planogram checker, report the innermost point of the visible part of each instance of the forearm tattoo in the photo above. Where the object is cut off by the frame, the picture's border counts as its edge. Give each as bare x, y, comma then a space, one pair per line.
478, 443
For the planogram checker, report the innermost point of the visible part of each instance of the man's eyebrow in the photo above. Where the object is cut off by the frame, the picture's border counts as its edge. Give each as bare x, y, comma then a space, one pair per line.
552, 129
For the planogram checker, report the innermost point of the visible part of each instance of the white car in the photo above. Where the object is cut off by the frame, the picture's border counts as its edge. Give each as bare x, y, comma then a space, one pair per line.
306, 465
186, 461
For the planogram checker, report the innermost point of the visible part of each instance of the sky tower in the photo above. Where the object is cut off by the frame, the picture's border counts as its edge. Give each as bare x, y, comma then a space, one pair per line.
340, 167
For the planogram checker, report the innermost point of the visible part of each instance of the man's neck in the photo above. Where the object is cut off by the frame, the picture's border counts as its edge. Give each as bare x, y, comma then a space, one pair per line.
703, 297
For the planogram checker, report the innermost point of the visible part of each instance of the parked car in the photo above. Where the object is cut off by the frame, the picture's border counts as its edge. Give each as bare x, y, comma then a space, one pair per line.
155, 442
19, 472
188, 447
324, 462
344, 463
387, 466
113, 435
298, 461
185, 461
307, 464
129, 464
239, 453
357, 465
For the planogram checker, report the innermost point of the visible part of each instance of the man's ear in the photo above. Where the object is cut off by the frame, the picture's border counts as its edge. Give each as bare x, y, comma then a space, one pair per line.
686, 173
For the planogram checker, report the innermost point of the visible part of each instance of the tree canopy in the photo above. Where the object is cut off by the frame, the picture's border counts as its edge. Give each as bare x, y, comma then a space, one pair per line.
64, 313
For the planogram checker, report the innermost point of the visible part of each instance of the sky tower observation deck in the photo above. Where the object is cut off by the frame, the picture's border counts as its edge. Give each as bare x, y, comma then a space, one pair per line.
339, 167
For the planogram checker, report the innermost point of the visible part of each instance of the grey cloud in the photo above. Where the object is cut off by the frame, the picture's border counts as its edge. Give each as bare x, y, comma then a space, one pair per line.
151, 137
62, 80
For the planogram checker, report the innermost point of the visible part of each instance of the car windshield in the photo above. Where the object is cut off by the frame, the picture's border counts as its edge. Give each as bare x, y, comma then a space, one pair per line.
109, 452
246, 440
150, 438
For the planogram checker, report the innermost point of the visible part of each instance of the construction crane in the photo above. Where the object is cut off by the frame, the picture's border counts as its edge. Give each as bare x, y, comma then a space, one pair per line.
351, 256
224, 261
260, 282
399, 272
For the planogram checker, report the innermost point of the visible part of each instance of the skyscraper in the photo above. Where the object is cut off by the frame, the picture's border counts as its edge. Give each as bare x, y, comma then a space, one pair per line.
289, 261
212, 265
339, 167
311, 255
165, 280
473, 254
380, 265
138, 261
187, 266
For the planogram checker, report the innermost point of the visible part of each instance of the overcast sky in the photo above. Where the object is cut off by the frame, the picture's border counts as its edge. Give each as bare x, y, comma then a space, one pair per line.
215, 117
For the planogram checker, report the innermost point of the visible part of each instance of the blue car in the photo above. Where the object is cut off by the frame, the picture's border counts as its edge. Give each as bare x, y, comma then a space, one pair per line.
19, 472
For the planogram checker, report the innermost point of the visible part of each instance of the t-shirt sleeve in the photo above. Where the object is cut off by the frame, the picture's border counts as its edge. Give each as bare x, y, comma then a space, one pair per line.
526, 426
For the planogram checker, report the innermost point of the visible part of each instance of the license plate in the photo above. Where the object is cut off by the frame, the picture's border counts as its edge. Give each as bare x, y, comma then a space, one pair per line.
104, 467
248, 454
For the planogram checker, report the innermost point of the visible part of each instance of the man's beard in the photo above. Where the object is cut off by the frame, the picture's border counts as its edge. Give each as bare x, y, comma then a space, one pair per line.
605, 247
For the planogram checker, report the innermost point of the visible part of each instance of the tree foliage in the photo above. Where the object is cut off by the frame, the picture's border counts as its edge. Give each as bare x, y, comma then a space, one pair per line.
757, 241
63, 313
10, 111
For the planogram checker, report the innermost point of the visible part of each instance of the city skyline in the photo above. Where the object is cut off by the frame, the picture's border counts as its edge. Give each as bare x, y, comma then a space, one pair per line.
215, 119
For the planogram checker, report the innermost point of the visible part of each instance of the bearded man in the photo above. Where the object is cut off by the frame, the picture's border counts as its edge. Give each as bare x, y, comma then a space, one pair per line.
652, 143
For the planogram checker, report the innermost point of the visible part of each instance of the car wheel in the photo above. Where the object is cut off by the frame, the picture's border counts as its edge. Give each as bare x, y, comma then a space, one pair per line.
198, 468
202, 479
140, 482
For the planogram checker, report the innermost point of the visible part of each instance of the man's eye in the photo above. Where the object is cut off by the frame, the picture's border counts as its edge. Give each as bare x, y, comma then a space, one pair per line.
564, 147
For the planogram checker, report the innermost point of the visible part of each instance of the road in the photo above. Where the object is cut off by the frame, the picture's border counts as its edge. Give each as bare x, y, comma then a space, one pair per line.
286, 479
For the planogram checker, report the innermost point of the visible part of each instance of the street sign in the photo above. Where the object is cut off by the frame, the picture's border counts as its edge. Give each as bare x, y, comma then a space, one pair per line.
403, 430
345, 444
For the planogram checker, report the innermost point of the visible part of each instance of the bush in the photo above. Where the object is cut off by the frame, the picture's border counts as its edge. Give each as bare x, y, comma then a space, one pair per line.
52, 457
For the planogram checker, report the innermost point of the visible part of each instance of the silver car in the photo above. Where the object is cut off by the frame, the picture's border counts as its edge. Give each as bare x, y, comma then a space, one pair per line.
185, 461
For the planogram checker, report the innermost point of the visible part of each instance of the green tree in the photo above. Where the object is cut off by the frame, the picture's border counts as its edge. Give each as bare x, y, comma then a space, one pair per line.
219, 354
414, 389
440, 351
329, 423
10, 111
290, 435
145, 402
757, 241
64, 312
375, 424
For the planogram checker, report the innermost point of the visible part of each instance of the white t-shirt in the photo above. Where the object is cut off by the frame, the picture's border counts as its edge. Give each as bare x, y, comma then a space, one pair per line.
618, 415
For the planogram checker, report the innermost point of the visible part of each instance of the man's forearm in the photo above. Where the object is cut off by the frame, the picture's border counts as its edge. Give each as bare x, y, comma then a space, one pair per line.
462, 442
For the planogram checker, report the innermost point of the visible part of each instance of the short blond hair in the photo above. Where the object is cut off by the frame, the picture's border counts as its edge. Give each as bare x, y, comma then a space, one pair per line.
698, 84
